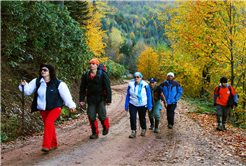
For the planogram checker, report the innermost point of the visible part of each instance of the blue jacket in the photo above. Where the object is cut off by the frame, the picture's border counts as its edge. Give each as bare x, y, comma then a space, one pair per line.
172, 91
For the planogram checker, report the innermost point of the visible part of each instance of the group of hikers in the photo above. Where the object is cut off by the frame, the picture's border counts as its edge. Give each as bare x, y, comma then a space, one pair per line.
50, 93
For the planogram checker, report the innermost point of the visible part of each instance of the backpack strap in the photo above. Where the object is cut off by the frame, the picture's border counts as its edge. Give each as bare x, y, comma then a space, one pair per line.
218, 91
144, 87
88, 73
229, 87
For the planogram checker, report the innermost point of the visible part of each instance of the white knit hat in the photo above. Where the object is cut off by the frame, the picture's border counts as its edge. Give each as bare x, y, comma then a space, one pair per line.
170, 73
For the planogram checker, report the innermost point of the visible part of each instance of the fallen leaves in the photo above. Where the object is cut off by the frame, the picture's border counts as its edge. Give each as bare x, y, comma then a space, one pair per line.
234, 137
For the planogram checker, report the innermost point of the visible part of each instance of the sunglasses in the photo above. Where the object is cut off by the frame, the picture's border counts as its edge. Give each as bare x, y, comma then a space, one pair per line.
136, 76
44, 70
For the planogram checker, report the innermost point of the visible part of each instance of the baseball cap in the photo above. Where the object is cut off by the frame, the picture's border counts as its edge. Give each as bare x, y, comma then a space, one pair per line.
152, 80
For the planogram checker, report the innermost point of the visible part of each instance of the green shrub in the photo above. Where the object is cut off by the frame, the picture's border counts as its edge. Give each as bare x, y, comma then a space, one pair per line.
4, 137
202, 104
38, 32
115, 70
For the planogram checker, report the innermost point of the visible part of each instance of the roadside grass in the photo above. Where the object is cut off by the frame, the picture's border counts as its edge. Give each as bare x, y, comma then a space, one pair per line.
201, 105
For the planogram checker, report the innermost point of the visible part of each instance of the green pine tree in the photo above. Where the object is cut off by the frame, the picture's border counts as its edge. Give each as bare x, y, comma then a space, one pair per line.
78, 11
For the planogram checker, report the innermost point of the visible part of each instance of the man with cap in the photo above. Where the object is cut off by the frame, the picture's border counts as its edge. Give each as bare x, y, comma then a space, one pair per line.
221, 96
172, 92
96, 85
156, 93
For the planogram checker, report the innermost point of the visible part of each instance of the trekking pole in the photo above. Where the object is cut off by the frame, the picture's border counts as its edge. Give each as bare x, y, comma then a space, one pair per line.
23, 104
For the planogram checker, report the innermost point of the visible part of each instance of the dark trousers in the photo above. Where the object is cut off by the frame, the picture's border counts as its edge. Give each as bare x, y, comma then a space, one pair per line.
222, 111
133, 116
171, 113
97, 108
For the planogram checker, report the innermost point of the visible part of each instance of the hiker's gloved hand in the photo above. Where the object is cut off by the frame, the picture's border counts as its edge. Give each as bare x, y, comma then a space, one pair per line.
235, 104
215, 104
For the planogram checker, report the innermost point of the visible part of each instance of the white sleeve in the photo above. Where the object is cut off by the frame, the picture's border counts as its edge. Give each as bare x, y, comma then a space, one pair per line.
29, 88
66, 95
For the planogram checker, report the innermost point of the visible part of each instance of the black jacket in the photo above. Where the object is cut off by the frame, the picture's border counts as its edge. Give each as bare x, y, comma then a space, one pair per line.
95, 88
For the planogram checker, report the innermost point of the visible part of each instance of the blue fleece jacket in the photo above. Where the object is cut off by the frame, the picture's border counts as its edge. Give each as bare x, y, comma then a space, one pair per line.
172, 91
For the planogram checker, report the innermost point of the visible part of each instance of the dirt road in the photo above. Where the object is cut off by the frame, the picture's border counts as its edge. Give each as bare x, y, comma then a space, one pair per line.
185, 144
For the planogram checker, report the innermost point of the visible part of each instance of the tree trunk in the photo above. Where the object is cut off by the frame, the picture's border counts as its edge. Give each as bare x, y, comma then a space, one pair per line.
60, 3
231, 49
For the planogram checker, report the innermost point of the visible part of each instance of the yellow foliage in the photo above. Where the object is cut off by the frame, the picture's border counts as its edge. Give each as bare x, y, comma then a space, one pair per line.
148, 63
206, 37
94, 32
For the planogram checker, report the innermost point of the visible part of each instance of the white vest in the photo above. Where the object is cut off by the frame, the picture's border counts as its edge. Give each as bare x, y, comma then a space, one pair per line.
133, 96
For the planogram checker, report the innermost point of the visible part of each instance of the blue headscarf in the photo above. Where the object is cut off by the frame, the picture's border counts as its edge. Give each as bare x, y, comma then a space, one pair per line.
138, 73
139, 88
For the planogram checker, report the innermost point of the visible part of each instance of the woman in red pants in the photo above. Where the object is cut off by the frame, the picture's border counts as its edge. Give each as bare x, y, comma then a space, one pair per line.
50, 93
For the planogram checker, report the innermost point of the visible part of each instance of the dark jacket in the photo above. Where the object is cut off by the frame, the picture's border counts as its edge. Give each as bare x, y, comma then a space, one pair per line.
95, 88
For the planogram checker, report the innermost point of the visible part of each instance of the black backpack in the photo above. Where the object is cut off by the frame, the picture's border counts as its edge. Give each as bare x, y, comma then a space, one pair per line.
34, 102
101, 68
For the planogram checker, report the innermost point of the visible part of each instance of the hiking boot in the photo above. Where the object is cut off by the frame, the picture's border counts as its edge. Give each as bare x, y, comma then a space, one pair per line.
143, 132
105, 124
156, 130
133, 135
45, 149
93, 136
223, 125
151, 127
170, 126
53, 148
220, 128
224, 128
156, 126
105, 131
151, 124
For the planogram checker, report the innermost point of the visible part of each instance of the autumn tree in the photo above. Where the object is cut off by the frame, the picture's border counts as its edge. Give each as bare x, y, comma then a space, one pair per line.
147, 63
115, 41
95, 33
210, 34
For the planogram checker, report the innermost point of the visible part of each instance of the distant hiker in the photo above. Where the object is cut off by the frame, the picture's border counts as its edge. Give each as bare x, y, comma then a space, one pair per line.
222, 100
156, 93
95, 85
48, 100
172, 92
138, 99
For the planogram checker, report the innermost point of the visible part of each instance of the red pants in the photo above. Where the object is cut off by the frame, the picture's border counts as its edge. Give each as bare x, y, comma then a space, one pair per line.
49, 117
